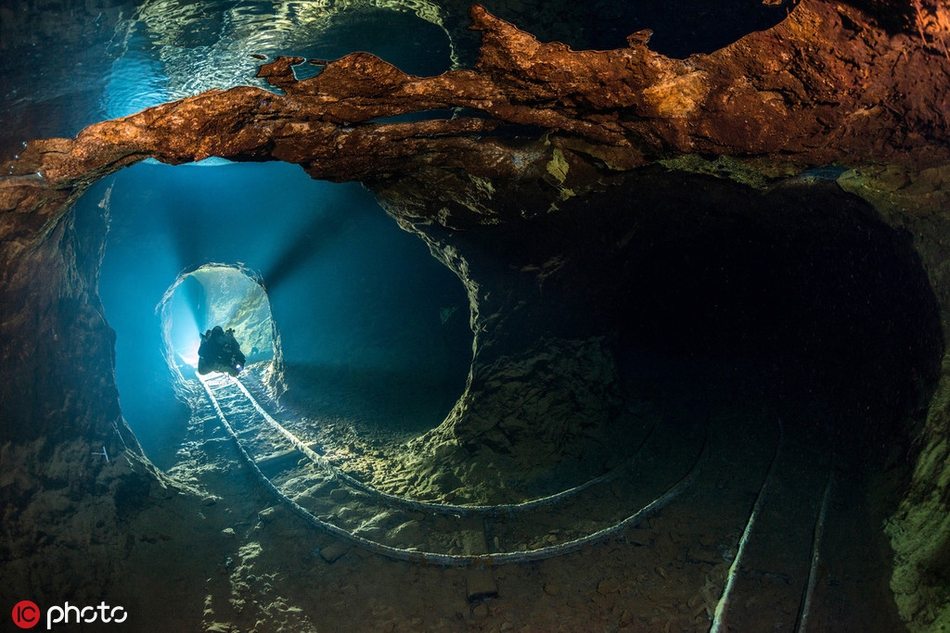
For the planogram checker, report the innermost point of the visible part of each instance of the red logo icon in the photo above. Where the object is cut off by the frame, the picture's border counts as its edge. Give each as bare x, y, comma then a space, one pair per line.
26, 614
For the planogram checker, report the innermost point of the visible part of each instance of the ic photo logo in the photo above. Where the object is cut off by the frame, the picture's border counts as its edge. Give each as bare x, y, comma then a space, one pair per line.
26, 614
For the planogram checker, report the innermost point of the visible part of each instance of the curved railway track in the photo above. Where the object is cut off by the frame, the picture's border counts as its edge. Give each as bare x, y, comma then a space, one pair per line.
444, 534
765, 494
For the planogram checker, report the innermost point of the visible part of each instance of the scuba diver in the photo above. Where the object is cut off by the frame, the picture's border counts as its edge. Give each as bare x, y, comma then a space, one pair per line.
219, 351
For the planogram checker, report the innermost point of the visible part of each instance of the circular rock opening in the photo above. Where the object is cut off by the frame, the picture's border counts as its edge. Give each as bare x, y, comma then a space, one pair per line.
374, 335
221, 295
802, 292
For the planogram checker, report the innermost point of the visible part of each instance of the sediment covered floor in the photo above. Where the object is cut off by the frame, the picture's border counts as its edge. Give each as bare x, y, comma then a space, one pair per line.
664, 573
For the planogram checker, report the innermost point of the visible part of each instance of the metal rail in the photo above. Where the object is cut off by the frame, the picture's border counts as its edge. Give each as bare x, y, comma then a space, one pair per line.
438, 558
723, 604
815, 556
445, 508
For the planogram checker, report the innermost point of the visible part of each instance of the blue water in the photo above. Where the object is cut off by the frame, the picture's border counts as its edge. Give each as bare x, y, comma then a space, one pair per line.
350, 292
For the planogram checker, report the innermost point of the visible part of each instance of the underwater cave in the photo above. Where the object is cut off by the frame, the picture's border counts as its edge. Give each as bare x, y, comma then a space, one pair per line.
637, 331
311, 293
803, 290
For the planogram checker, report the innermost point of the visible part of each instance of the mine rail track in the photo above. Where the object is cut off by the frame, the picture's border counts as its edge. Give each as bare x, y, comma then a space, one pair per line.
770, 577
771, 581
666, 463
768, 500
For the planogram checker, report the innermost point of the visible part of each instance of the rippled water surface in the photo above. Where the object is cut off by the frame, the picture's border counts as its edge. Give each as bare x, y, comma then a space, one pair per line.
70, 70
64, 66
169, 49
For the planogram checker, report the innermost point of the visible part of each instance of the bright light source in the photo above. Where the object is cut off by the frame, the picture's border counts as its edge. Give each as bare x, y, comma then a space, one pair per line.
189, 354
216, 295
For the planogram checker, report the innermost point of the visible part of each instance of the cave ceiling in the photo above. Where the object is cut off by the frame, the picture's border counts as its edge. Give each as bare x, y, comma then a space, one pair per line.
828, 84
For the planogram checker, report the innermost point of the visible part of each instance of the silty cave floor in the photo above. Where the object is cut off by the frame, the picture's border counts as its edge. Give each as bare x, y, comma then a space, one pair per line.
261, 567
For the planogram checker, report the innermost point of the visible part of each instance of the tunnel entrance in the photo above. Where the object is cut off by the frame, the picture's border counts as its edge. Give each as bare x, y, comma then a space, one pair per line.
374, 331
217, 295
802, 292
799, 298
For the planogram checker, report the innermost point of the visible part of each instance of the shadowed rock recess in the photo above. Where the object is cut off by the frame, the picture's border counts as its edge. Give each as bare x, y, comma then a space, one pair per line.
560, 178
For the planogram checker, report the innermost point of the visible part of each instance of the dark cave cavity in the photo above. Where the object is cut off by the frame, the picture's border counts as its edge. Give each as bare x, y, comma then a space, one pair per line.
718, 298
679, 28
802, 293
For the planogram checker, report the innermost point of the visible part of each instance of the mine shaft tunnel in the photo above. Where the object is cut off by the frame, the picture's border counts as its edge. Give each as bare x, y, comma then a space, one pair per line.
800, 292
217, 295
805, 281
796, 308
353, 314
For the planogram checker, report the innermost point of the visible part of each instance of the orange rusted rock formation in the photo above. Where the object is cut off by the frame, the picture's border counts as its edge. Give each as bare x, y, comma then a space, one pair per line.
826, 84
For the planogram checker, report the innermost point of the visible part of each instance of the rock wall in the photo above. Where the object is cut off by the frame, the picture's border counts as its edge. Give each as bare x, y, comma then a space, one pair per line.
72, 471
920, 529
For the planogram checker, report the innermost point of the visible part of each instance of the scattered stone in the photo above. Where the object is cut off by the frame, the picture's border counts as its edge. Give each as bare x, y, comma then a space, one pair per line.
551, 589
480, 610
339, 494
332, 552
408, 533
371, 532
608, 586
228, 533
473, 538
267, 515
480, 585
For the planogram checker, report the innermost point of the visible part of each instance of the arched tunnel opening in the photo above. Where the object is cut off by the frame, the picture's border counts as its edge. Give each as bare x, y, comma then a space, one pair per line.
342, 313
799, 300
802, 294
218, 295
